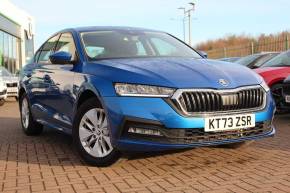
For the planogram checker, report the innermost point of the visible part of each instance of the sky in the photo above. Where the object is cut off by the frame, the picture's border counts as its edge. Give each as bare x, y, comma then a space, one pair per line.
210, 20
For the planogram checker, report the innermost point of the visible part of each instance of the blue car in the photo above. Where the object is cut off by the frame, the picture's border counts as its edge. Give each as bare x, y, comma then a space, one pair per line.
117, 89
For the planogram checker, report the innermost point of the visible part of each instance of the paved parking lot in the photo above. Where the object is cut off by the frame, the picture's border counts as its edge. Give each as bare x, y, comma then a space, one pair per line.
48, 163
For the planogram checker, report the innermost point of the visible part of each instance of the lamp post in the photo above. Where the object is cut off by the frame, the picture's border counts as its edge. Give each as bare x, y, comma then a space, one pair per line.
187, 13
183, 21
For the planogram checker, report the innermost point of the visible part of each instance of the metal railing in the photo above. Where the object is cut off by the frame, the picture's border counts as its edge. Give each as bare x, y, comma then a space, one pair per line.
263, 45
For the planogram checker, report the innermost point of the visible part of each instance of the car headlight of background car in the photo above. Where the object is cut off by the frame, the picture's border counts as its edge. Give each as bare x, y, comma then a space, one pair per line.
124, 89
265, 86
2, 84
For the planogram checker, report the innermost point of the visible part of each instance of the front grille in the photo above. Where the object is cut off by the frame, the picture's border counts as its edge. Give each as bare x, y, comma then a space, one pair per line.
12, 84
207, 101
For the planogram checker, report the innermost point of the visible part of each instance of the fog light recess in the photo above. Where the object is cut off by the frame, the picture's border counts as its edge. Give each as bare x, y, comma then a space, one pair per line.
144, 131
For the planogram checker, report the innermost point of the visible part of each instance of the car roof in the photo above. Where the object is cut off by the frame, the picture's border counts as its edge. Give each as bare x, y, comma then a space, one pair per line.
266, 53
106, 28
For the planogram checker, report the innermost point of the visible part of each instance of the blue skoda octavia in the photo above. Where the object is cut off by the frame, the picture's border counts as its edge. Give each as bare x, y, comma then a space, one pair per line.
129, 89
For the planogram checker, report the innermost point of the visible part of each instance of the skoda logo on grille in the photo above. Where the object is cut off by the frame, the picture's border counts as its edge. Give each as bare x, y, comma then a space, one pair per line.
223, 82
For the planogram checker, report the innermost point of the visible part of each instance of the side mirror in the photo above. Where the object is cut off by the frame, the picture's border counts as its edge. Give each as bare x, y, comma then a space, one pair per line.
60, 57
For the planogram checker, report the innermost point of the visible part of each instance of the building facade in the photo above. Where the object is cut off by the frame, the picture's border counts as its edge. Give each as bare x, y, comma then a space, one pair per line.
16, 36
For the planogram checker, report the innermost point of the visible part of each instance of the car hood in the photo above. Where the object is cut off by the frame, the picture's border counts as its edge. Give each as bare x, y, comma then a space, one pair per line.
177, 72
9, 79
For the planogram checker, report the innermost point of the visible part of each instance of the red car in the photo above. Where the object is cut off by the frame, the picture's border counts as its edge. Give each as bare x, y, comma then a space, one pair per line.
274, 72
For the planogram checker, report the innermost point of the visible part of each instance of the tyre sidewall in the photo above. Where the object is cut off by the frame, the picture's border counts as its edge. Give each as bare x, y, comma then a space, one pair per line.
20, 106
33, 127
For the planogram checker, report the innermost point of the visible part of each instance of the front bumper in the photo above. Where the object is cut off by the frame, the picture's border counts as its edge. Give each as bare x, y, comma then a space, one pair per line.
156, 112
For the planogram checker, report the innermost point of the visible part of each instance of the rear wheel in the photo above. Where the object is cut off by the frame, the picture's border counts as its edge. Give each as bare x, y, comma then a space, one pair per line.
92, 136
29, 125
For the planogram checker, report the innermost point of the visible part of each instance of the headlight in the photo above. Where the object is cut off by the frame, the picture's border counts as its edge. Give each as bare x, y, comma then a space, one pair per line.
124, 89
265, 86
2, 84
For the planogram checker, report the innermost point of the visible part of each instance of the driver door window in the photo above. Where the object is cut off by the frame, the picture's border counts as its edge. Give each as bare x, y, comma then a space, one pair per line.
66, 44
47, 49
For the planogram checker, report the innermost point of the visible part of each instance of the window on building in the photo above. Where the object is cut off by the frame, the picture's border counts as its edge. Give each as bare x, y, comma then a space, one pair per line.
9, 52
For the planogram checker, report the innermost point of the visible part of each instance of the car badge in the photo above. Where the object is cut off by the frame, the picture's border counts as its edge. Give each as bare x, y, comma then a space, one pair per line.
223, 82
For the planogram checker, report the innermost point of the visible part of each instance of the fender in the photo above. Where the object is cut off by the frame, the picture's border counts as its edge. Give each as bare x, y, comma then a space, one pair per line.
87, 86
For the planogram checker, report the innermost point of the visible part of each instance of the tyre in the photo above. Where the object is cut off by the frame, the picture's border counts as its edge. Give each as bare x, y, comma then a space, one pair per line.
2, 101
237, 145
29, 125
91, 135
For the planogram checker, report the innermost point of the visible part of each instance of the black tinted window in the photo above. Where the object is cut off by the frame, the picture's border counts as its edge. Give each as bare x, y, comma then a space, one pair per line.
47, 49
66, 44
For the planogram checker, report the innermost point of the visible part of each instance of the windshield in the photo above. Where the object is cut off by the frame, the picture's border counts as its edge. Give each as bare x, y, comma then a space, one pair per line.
245, 61
4, 72
264, 59
281, 60
132, 44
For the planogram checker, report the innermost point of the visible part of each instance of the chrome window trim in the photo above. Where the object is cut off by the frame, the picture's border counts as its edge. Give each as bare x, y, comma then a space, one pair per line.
179, 92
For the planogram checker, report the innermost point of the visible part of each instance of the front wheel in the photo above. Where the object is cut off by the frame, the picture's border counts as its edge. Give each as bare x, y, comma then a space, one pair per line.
92, 136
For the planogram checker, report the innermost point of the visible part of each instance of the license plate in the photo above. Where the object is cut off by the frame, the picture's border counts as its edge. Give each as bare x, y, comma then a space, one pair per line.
287, 98
233, 122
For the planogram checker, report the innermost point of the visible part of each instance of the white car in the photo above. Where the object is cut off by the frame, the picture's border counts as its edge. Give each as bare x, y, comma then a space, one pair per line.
11, 82
3, 92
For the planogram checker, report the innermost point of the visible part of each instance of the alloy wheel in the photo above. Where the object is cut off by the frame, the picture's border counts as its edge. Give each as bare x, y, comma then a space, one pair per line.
94, 133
